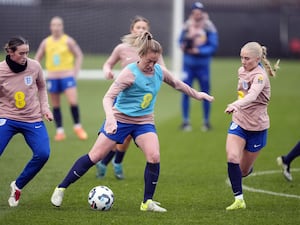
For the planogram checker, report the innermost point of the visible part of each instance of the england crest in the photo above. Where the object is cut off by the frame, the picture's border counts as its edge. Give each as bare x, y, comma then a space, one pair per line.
28, 80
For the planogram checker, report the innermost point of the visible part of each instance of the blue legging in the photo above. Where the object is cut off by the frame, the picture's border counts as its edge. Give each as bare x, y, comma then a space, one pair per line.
36, 137
202, 75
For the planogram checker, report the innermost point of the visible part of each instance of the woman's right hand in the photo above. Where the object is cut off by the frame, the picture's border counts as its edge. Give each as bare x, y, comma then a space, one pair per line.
110, 126
109, 75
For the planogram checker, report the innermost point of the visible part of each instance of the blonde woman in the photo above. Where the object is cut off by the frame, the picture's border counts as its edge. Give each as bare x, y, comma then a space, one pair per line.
135, 91
247, 134
124, 53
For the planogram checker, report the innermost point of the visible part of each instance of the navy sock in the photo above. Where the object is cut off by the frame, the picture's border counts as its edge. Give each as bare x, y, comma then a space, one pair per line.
151, 178
119, 156
292, 154
80, 167
235, 177
75, 113
57, 116
108, 158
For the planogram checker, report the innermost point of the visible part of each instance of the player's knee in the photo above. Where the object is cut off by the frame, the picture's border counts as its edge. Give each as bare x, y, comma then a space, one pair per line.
234, 158
43, 156
154, 158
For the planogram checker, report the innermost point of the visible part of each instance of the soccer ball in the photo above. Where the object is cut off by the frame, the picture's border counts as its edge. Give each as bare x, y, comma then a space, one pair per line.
101, 198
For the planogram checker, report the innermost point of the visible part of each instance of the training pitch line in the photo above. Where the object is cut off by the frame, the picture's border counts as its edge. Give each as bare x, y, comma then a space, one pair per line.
257, 190
96, 74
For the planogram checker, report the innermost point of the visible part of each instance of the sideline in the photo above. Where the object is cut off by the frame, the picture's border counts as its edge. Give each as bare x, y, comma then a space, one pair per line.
257, 190
90, 74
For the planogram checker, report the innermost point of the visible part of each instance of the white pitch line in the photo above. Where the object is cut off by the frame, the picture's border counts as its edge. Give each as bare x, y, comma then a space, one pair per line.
257, 190
269, 192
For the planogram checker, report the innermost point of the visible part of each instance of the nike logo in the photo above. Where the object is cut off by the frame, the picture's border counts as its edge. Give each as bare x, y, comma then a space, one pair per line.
148, 84
256, 146
76, 174
154, 182
128, 58
38, 126
5, 83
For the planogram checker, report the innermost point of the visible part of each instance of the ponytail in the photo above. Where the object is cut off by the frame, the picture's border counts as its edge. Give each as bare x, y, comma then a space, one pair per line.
270, 70
143, 42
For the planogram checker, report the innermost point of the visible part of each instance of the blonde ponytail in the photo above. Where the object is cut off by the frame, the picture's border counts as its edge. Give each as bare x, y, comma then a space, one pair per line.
270, 70
143, 42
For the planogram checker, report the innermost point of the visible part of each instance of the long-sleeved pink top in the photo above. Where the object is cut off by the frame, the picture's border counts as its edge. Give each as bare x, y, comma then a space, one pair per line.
126, 54
125, 80
254, 92
23, 95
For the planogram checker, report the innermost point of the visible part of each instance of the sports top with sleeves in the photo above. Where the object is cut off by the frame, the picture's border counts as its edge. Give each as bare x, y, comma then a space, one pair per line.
125, 81
23, 95
139, 99
204, 38
127, 54
254, 92
58, 55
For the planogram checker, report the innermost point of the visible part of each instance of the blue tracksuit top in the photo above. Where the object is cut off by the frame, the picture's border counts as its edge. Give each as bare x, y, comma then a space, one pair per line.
206, 50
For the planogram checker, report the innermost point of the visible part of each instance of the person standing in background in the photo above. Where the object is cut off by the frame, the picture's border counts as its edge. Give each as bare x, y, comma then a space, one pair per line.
63, 62
199, 42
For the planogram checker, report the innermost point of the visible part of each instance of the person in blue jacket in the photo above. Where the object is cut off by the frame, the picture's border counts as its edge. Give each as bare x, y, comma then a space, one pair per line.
199, 42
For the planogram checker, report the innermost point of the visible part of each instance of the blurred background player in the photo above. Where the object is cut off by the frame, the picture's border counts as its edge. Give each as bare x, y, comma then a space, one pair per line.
198, 41
285, 161
247, 134
135, 91
63, 62
23, 104
125, 53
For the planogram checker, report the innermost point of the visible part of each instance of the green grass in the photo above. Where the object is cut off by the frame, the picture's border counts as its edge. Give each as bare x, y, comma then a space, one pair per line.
193, 165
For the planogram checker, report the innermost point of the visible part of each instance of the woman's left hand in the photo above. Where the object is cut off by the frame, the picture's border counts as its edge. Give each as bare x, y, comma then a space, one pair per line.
205, 96
48, 116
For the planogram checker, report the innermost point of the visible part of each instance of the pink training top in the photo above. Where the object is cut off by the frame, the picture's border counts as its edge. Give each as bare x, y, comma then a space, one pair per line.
254, 93
127, 54
125, 80
23, 96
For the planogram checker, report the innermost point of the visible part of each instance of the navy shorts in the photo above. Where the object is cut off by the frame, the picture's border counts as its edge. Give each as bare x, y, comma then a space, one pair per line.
255, 140
125, 129
61, 84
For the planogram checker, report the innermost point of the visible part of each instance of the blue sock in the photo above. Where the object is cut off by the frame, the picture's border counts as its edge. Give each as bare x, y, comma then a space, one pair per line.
185, 108
80, 167
75, 113
108, 158
57, 116
292, 154
235, 177
151, 178
206, 109
119, 156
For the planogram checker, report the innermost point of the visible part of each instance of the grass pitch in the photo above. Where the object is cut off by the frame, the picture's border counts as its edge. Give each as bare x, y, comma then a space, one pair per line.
193, 165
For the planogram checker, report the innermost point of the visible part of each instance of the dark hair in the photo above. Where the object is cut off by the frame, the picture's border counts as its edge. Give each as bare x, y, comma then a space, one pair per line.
14, 42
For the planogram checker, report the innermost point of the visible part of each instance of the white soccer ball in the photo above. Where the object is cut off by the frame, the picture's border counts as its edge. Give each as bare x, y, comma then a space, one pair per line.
101, 198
